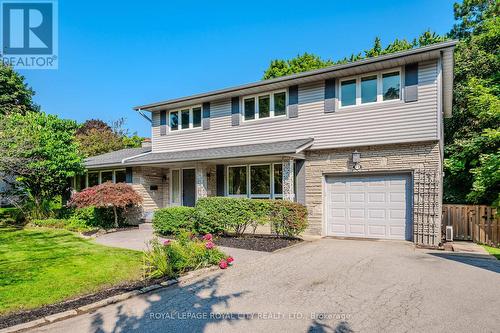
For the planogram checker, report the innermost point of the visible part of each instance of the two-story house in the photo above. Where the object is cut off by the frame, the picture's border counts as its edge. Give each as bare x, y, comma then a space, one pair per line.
360, 144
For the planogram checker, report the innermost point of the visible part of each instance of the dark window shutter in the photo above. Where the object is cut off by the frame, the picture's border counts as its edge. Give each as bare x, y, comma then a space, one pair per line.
128, 175
293, 101
163, 122
329, 95
219, 180
411, 82
206, 115
235, 111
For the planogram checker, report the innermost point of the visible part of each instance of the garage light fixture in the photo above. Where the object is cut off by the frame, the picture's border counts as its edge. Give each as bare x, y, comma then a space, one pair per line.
356, 159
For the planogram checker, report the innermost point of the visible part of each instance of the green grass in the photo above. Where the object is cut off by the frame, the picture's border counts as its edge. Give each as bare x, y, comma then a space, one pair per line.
493, 251
44, 266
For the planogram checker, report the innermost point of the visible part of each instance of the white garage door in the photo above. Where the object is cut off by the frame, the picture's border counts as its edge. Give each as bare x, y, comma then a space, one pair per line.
370, 207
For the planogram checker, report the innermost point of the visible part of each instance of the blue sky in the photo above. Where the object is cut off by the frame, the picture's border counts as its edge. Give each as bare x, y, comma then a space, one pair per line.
114, 55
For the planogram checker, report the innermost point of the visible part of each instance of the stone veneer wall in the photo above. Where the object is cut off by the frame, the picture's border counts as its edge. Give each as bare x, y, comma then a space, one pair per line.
143, 178
212, 180
421, 156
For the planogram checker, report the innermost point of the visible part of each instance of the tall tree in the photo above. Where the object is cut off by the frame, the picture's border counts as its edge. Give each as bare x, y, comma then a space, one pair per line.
308, 61
96, 137
15, 95
40, 152
472, 164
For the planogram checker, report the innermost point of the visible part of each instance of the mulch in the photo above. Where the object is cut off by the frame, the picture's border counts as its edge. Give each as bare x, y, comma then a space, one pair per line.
256, 242
25, 316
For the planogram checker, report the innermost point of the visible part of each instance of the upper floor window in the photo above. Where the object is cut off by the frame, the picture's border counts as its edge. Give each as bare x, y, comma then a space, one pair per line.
370, 88
263, 106
185, 118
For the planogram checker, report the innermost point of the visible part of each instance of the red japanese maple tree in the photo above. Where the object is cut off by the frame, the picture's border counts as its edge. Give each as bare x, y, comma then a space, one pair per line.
107, 195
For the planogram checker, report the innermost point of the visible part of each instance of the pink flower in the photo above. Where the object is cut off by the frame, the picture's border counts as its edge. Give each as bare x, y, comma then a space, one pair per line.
209, 245
230, 260
207, 237
167, 242
223, 264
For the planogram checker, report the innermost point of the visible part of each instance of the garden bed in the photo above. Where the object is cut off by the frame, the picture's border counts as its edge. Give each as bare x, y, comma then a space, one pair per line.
257, 242
28, 315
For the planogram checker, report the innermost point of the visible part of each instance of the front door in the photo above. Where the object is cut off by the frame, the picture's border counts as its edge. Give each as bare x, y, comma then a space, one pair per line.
188, 187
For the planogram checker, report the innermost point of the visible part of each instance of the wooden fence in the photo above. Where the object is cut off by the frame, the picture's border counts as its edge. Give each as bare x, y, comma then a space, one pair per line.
476, 223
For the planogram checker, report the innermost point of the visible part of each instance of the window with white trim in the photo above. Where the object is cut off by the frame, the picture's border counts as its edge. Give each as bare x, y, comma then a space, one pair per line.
262, 181
370, 88
263, 106
185, 118
93, 178
175, 187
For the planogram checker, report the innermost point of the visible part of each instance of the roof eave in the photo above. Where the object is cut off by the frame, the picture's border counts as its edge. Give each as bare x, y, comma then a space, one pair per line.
429, 48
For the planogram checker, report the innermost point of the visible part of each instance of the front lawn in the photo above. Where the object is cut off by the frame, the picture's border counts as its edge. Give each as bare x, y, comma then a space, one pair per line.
43, 266
493, 251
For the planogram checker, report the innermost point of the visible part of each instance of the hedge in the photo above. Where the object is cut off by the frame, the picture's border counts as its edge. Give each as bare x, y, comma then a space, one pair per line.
168, 221
288, 219
218, 215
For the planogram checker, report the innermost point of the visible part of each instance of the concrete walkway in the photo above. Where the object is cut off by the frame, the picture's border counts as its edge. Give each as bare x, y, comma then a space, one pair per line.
329, 285
139, 238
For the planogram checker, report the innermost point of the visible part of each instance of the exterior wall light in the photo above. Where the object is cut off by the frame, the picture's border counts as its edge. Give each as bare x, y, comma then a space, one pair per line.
356, 159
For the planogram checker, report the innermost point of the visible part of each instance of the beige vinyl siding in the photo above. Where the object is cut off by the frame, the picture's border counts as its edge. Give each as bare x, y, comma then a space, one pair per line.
379, 123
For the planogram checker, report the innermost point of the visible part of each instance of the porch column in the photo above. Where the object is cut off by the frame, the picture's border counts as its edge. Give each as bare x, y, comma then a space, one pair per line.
288, 179
201, 181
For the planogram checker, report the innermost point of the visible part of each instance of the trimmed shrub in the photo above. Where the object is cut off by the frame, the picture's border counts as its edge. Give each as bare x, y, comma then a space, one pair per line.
172, 258
169, 221
71, 225
87, 215
217, 215
288, 219
12, 215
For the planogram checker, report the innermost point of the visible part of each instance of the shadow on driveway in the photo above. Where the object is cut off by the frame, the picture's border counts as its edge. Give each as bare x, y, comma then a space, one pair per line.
477, 260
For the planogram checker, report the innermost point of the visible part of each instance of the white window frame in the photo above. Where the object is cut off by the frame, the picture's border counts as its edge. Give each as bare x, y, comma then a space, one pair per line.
171, 190
380, 97
99, 177
248, 180
191, 118
114, 174
273, 192
260, 196
271, 105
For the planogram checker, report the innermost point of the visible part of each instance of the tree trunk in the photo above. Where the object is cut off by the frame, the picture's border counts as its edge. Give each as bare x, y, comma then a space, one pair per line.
116, 216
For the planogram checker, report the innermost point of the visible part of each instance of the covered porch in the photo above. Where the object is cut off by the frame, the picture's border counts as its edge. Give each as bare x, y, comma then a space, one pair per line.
277, 173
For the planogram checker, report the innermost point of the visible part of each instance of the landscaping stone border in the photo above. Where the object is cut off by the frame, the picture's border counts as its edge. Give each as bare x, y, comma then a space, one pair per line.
110, 300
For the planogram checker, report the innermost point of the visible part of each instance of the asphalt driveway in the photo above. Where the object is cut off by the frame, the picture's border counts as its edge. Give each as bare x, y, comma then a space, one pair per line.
323, 286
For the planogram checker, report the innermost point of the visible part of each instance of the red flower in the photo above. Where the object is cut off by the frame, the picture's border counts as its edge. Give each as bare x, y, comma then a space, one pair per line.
207, 237
230, 260
167, 242
209, 245
223, 264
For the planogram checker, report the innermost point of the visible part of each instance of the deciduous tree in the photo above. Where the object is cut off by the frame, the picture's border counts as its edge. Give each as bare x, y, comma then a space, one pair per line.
107, 195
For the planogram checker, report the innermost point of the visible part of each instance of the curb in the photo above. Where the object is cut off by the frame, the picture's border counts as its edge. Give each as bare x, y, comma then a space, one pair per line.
94, 306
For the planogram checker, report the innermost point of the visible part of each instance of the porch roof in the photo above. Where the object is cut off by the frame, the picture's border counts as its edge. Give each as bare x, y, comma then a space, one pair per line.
114, 157
226, 152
